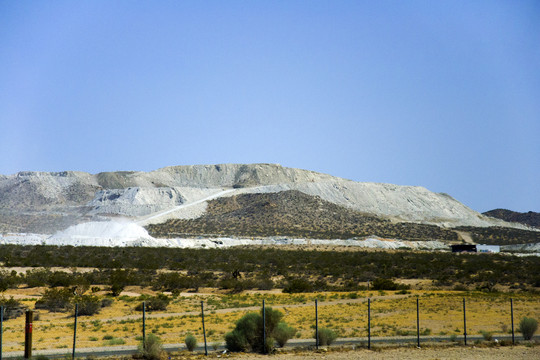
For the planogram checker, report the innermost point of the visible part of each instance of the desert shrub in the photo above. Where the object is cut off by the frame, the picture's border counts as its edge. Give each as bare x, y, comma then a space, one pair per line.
527, 327
88, 304
387, 284
174, 281
283, 333
298, 285
264, 284
116, 289
151, 349
326, 336
60, 278
11, 308
248, 333
191, 342
236, 285
115, 341
56, 300
488, 335
106, 302
8, 280
155, 303
236, 341
37, 277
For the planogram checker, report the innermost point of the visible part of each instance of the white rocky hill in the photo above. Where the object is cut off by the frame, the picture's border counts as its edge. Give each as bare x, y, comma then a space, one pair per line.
34, 201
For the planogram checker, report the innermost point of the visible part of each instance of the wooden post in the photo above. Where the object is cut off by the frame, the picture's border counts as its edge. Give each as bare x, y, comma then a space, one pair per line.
316, 325
512, 316
75, 330
203, 329
28, 334
369, 323
464, 323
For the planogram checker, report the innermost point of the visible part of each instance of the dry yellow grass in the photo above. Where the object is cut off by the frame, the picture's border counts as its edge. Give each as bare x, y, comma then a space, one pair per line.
393, 314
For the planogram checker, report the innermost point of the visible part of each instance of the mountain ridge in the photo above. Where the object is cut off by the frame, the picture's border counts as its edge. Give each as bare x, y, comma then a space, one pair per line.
30, 201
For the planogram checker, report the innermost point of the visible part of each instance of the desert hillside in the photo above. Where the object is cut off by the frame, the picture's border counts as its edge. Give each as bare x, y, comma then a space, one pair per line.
236, 200
530, 218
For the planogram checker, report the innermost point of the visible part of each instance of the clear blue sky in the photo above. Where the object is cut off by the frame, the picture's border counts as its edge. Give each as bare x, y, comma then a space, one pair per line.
441, 94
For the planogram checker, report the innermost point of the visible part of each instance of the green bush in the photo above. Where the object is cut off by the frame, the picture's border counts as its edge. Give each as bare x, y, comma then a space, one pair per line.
151, 349
155, 303
191, 342
236, 341
12, 308
387, 284
248, 333
488, 335
55, 300
88, 304
283, 333
527, 327
106, 302
298, 285
116, 289
326, 336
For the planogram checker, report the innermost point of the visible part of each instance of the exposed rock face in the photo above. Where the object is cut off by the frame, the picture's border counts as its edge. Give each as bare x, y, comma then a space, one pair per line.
28, 199
135, 201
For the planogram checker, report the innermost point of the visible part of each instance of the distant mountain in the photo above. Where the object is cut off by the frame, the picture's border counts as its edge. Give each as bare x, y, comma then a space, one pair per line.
530, 218
240, 199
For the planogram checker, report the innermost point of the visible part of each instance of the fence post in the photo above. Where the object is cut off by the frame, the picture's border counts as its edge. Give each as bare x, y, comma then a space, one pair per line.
316, 325
512, 316
1, 328
75, 330
417, 322
144, 325
264, 327
203, 329
369, 323
464, 323
28, 334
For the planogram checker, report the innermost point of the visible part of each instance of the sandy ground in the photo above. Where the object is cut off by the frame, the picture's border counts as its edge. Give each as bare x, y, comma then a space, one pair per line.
457, 353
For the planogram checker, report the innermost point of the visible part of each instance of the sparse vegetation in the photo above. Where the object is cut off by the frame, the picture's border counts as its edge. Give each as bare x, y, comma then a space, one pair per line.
56, 300
292, 213
191, 342
301, 270
527, 327
248, 333
327, 336
151, 349
155, 303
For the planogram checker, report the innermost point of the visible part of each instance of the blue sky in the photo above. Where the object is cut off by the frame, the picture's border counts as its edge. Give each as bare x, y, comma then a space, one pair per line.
440, 94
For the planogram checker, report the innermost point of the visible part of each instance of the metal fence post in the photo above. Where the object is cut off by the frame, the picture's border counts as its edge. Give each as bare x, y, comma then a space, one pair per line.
203, 329
316, 324
144, 325
1, 328
264, 327
369, 323
464, 323
417, 322
75, 330
512, 316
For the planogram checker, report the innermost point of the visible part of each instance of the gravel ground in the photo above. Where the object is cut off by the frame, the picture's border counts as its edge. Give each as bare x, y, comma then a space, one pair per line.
457, 353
